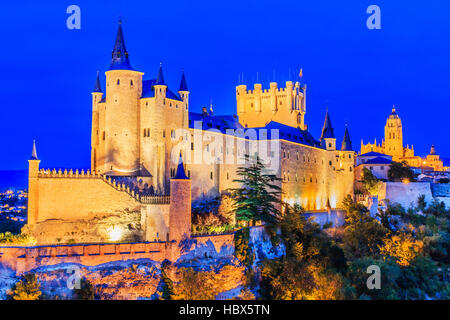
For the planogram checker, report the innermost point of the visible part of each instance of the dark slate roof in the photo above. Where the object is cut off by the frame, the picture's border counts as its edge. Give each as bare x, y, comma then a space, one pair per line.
374, 154
181, 174
222, 123
327, 130
292, 134
149, 92
160, 77
215, 122
346, 142
119, 60
183, 84
97, 87
378, 160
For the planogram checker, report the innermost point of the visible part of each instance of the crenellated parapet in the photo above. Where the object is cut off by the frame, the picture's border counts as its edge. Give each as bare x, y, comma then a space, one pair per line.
257, 107
71, 173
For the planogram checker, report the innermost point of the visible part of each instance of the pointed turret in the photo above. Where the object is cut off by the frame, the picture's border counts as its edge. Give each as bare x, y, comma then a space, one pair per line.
119, 60
327, 139
33, 152
33, 188
181, 174
346, 142
97, 87
327, 130
183, 84
160, 78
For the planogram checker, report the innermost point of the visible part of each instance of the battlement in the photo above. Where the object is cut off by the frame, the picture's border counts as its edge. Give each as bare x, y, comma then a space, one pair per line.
53, 173
273, 88
257, 107
122, 186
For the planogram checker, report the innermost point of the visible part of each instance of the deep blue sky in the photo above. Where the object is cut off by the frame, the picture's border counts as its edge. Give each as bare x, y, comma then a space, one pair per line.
48, 72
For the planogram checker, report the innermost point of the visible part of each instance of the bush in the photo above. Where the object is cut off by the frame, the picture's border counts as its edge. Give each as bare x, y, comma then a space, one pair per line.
27, 289
23, 239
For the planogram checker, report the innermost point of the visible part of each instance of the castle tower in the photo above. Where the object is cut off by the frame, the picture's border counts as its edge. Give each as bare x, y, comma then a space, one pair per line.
184, 94
162, 158
258, 107
122, 125
33, 186
393, 136
97, 96
180, 204
346, 142
327, 139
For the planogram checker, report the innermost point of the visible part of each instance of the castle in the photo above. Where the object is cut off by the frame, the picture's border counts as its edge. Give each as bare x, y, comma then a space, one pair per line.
151, 157
392, 145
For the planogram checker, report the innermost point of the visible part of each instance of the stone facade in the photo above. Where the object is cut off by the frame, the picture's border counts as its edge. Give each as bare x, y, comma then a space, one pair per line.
139, 130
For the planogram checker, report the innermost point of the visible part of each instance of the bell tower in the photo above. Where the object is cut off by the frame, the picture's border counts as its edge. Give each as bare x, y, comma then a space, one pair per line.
393, 136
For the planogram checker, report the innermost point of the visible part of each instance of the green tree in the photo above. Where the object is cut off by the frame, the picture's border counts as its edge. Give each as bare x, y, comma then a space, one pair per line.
370, 182
258, 198
167, 284
363, 234
27, 289
85, 292
399, 171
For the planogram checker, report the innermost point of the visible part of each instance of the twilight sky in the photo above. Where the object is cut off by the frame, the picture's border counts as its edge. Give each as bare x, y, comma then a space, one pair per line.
48, 71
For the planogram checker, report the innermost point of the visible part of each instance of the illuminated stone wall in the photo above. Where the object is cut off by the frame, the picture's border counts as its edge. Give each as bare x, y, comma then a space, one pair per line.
256, 108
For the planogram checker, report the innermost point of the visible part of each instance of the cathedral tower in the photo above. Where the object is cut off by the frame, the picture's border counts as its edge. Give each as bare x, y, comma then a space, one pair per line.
393, 136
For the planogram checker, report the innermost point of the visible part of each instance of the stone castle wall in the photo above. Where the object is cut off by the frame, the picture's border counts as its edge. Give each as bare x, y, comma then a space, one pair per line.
406, 194
25, 258
73, 206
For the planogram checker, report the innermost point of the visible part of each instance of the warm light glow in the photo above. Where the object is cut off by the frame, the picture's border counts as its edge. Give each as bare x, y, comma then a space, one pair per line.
333, 201
405, 181
318, 202
115, 233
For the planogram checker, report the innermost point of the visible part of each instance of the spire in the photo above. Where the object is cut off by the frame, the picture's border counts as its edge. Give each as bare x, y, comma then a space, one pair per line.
346, 142
97, 87
34, 153
393, 109
183, 84
181, 174
119, 60
327, 130
433, 150
160, 78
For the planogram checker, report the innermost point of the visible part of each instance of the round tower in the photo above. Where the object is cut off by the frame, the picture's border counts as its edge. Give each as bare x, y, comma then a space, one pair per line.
97, 96
123, 91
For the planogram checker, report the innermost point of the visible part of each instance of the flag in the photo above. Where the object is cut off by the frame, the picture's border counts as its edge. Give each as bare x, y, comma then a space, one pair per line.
301, 73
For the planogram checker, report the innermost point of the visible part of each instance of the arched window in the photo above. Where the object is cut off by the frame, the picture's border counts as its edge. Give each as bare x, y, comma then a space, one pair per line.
118, 81
131, 82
